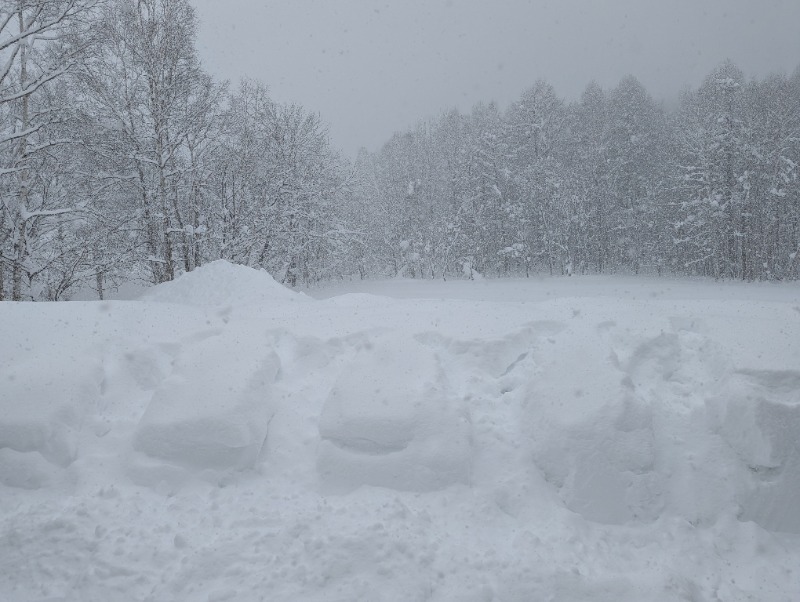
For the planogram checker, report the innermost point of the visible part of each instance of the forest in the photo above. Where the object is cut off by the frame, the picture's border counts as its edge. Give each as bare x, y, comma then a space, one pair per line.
124, 160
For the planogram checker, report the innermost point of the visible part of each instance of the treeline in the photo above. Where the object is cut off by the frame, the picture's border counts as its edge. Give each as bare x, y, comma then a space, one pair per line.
612, 182
122, 159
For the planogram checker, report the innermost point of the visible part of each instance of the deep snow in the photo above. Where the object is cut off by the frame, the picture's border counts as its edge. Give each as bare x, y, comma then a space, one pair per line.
223, 438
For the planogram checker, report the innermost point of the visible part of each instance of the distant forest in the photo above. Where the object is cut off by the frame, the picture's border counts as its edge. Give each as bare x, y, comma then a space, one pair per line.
122, 159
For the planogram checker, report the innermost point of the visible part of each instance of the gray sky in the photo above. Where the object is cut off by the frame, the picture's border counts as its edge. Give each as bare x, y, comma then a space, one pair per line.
373, 67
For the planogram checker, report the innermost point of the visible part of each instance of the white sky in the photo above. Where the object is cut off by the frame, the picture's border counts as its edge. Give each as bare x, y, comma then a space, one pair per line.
373, 67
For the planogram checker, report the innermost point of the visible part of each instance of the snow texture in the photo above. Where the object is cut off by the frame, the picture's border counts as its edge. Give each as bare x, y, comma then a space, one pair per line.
559, 439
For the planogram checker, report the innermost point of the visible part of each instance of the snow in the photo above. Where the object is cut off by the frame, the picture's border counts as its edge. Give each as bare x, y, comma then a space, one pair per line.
603, 438
397, 429
221, 283
196, 418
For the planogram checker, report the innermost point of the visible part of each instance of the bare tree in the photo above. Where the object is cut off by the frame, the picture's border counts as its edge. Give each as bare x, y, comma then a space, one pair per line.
40, 42
155, 108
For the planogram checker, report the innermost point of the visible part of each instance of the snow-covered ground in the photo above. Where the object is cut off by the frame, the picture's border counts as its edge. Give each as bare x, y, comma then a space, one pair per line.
561, 439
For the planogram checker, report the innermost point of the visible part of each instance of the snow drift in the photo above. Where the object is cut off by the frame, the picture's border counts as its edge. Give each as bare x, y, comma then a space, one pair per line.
602, 439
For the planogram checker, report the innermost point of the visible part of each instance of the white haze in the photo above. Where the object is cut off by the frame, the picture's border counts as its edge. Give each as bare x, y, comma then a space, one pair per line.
372, 68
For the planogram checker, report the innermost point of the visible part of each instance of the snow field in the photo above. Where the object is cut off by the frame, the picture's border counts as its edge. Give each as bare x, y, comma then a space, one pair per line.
604, 440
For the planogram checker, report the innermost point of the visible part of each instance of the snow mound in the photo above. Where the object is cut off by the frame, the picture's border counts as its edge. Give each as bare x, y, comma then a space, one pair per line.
221, 283
389, 422
643, 445
213, 411
759, 417
43, 403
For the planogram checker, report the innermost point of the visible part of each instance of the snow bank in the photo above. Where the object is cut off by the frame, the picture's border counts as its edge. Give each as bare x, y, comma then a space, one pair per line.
550, 439
221, 283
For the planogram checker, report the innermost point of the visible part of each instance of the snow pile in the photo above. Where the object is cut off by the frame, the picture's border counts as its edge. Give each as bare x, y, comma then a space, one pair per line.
221, 283
563, 439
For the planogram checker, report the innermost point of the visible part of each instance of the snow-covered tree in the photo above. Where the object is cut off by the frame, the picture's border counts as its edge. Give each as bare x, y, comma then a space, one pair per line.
41, 41
277, 190
155, 108
714, 191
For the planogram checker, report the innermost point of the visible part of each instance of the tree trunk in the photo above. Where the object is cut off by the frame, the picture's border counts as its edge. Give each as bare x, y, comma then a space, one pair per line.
20, 250
100, 294
20, 242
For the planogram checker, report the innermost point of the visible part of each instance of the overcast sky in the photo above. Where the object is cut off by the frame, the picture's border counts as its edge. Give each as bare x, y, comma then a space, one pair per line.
373, 67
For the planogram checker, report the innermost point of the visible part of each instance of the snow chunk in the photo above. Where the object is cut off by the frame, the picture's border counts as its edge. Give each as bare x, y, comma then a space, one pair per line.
758, 415
640, 447
388, 422
222, 283
214, 410
43, 403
